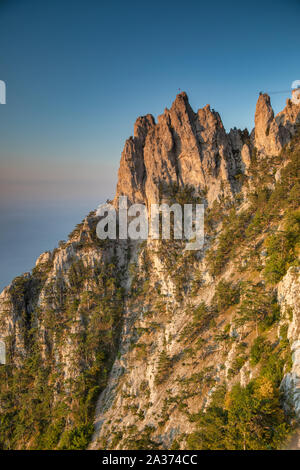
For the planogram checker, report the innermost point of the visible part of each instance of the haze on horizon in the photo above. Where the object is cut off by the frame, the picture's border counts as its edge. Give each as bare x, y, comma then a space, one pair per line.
78, 77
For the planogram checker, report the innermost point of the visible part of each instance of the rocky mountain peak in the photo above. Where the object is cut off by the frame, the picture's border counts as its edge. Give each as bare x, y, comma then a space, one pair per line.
289, 117
183, 147
181, 107
268, 138
273, 132
157, 335
142, 126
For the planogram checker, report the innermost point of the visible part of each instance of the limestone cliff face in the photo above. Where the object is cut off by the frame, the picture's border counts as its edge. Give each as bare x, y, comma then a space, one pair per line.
33, 298
136, 337
183, 147
289, 298
16, 307
272, 133
289, 118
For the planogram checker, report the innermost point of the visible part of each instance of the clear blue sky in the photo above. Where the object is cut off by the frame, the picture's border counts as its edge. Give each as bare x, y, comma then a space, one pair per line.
78, 73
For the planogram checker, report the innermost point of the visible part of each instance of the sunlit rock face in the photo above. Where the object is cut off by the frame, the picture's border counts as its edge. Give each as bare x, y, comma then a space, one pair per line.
183, 147
191, 148
273, 132
94, 316
289, 298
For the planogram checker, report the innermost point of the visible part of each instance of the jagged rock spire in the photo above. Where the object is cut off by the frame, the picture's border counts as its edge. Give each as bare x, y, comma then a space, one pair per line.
183, 147
273, 132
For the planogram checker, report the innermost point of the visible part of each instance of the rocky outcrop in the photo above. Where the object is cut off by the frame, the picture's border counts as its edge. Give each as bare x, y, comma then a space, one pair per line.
289, 298
272, 133
16, 306
138, 331
289, 118
189, 148
241, 147
185, 148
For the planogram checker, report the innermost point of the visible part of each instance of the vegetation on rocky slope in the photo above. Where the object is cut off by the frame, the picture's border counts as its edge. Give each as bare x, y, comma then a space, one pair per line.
43, 406
203, 331
221, 383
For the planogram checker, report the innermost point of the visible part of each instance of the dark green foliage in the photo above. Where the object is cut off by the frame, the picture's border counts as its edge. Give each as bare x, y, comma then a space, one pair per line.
233, 233
247, 418
236, 365
283, 248
257, 306
212, 426
77, 438
202, 316
226, 295
163, 367
142, 441
176, 193
260, 348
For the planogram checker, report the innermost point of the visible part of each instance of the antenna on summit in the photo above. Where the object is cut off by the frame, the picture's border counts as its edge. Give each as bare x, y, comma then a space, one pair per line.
294, 90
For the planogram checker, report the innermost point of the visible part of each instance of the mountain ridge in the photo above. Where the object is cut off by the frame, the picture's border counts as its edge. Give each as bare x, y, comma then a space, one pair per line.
156, 339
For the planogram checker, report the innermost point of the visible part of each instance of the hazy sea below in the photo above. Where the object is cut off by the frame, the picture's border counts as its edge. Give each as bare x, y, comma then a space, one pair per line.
29, 229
